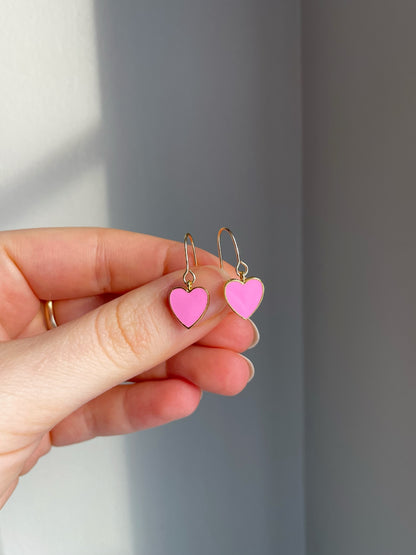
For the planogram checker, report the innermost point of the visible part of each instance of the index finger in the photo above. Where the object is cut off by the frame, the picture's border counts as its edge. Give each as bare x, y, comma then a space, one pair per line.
66, 263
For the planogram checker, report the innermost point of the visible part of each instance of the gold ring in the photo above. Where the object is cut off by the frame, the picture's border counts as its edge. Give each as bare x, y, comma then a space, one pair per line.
49, 315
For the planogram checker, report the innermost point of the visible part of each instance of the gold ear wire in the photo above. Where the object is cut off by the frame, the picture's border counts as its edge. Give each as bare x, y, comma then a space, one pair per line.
189, 282
191, 303
240, 273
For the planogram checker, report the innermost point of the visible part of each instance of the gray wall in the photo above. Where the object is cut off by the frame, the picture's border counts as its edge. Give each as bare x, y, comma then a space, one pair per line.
201, 111
359, 276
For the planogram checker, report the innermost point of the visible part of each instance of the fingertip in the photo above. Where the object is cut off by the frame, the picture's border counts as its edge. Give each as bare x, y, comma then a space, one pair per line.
233, 333
238, 372
180, 400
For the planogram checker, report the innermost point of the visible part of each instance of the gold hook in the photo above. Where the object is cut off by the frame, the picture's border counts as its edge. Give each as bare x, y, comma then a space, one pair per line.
189, 282
241, 274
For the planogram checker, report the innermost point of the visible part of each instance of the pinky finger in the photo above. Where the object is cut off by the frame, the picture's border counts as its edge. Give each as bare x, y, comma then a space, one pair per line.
128, 408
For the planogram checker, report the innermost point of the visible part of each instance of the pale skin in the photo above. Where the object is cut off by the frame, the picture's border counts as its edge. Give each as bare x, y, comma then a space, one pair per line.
110, 290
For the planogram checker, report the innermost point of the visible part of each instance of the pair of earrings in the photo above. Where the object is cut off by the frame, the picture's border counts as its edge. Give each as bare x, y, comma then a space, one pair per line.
243, 295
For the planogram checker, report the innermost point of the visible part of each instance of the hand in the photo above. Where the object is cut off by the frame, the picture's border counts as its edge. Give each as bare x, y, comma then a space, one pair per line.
110, 291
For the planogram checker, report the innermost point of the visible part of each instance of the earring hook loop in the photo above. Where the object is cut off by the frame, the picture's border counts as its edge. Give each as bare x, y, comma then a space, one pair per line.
189, 281
240, 273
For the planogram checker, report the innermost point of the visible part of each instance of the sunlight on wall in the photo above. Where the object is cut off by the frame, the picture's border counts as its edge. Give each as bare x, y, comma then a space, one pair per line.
50, 104
52, 172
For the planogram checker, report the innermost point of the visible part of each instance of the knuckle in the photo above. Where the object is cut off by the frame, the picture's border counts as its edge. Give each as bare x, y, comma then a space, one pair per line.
103, 275
125, 337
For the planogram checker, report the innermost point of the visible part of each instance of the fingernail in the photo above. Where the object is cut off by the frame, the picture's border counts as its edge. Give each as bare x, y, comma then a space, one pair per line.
256, 337
251, 368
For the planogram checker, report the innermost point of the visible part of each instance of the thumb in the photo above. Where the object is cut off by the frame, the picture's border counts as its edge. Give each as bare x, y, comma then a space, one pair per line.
45, 378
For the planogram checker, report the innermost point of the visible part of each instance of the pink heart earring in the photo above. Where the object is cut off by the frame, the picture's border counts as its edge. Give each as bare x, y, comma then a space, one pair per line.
189, 305
244, 294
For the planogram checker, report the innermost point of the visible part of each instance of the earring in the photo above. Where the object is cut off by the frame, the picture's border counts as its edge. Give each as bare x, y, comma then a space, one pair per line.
243, 295
189, 305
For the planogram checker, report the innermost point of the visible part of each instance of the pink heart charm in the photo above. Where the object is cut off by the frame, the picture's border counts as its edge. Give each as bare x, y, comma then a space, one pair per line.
188, 306
244, 298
